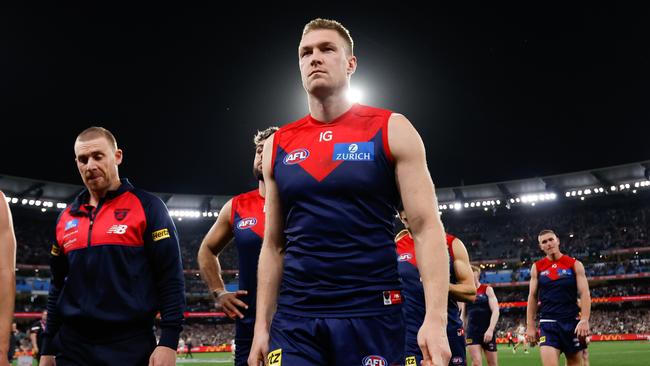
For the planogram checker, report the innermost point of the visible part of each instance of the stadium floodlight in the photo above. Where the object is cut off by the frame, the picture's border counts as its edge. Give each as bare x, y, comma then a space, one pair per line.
567, 194
37, 203
43, 209
512, 200
587, 191
582, 198
532, 203
354, 95
634, 191
14, 200
498, 202
485, 208
466, 205
636, 184
612, 188
518, 199
444, 207
457, 206
24, 201
472, 204
627, 185
579, 192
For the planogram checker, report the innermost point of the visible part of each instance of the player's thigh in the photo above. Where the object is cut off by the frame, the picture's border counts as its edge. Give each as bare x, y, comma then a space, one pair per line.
550, 355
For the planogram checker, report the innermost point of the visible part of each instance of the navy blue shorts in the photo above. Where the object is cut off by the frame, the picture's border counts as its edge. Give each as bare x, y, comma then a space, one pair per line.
303, 341
243, 340
476, 337
75, 350
561, 335
456, 338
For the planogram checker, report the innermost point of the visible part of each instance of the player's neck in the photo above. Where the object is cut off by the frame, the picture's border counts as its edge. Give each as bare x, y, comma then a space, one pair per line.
328, 108
555, 256
261, 188
96, 196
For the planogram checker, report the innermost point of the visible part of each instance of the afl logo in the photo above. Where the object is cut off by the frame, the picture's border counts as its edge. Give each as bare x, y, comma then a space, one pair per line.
374, 361
246, 223
296, 156
353, 148
404, 257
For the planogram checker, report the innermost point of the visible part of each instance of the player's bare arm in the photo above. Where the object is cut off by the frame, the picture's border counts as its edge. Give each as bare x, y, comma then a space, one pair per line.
582, 329
420, 204
494, 318
270, 265
464, 290
531, 309
215, 241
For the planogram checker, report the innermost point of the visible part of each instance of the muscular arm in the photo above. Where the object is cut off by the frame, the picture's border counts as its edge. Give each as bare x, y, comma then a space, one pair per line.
420, 203
214, 242
464, 290
585, 300
531, 309
494, 307
7, 274
269, 272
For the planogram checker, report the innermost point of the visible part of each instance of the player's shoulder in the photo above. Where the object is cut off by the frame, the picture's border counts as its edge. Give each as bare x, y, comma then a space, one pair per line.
292, 126
369, 111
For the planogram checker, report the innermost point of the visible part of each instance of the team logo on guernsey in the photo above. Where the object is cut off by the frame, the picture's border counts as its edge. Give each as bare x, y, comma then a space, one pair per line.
71, 224
120, 213
296, 156
356, 151
374, 360
404, 257
275, 357
246, 223
457, 360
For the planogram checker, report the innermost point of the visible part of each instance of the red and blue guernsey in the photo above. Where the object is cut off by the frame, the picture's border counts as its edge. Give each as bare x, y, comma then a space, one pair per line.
247, 220
414, 303
336, 183
478, 314
558, 290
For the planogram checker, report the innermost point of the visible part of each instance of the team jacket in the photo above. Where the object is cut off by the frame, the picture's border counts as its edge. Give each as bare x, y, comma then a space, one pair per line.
114, 267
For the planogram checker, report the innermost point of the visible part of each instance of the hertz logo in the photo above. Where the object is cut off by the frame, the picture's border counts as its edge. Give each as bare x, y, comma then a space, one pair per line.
275, 357
160, 234
55, 250
410, 361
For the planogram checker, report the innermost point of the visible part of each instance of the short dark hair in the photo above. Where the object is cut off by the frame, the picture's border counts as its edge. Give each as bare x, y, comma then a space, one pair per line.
95, 132
264, 134
546, 231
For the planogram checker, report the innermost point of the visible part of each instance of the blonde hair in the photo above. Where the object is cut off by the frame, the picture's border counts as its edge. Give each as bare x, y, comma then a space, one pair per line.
320, 23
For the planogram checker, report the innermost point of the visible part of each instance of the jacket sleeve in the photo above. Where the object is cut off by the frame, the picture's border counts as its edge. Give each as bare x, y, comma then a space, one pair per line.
162, 244
59, 269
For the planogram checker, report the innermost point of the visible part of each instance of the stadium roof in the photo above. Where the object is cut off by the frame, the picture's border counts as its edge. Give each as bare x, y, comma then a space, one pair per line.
615, 178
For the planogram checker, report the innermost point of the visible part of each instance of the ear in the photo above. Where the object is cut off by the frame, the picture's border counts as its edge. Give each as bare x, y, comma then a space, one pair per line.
118, 156
352, 65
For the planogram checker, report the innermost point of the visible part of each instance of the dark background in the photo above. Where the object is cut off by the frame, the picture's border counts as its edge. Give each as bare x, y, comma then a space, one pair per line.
496, 93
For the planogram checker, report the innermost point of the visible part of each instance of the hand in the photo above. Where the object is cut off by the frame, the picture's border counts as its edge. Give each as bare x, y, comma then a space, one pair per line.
487, 337
163, 356
582, 329
259, 349
47, 361
432, 339
229, 302
531, 335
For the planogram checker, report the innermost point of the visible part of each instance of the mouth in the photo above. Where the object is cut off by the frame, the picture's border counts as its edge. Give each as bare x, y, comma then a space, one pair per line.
316, 72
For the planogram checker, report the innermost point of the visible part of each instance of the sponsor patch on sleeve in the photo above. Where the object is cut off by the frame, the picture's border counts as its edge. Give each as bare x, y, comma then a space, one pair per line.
160, 234
55, 251
542, 339
410, 361
275, 357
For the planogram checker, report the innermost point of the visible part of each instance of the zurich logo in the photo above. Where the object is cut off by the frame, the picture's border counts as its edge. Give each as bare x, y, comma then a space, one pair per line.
246, 223
296, 156
353, 148
374, 361
404, 257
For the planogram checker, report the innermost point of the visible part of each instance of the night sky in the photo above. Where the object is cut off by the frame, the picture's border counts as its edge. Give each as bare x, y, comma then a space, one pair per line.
496, 93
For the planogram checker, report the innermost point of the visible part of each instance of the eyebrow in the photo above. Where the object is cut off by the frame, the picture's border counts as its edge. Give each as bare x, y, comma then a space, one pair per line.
319, 45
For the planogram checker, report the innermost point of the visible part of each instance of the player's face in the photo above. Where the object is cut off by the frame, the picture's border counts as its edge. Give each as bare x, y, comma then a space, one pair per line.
97, 163
325, 66
257, 162
549, 243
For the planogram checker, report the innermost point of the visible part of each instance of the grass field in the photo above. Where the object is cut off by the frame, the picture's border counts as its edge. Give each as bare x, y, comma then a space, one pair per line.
602, 354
